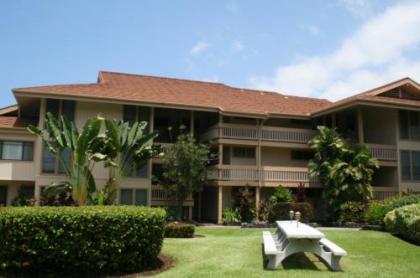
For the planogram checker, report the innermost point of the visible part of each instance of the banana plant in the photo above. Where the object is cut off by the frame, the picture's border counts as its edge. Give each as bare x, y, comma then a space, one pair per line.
85, 148
126, 145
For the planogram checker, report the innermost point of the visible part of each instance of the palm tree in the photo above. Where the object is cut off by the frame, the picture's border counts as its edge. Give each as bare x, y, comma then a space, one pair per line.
126, 146
84, 146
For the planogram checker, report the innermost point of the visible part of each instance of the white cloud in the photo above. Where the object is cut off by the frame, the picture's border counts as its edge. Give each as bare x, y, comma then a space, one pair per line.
198, 48
374, 54
358, 8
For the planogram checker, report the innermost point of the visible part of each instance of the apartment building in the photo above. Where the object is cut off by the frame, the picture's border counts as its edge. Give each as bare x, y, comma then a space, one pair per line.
260, 137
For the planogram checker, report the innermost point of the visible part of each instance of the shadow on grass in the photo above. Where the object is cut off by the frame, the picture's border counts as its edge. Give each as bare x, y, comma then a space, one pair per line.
296, 261
299, 261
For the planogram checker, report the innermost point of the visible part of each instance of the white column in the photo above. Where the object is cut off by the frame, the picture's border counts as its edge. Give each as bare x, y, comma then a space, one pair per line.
257, 198
219, 204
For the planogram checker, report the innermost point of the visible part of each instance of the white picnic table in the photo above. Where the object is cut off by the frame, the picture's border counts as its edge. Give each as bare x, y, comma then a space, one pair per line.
293, 237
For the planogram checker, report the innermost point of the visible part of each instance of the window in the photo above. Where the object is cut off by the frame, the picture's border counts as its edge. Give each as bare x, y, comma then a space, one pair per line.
301, 155
133, 113
14, 150
136, 170
244, 152
409, 125
3, 195
416, 165
51, 162
410, 165
133, 197
405, 165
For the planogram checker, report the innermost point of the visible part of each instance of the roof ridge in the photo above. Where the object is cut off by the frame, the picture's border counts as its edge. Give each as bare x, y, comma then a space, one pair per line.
159, 77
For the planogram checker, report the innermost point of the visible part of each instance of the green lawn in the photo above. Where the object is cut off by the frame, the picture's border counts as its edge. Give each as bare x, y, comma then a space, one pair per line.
234, 252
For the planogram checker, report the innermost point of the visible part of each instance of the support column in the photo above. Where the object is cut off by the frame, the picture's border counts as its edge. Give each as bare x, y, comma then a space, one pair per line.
37, 194
190, 212
360, 125
200, 203
257, 198
220, 162
192, 122
149, 162
219, 204
334, 120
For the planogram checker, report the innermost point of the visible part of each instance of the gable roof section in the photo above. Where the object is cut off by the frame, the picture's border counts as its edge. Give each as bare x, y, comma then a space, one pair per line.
14, 122
180, 92
9, 110
375, 96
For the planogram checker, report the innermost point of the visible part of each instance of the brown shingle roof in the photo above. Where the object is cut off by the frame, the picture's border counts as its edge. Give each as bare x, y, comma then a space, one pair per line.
14, 122
179, 92
374, 95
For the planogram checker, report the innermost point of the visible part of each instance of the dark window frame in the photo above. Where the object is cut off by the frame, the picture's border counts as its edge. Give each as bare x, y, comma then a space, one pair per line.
243, 152
63, 106
27, 143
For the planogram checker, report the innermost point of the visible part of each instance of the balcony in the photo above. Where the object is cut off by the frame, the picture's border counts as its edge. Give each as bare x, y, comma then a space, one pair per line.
270, 134
383, 152
382, 193
161, 198
270, 176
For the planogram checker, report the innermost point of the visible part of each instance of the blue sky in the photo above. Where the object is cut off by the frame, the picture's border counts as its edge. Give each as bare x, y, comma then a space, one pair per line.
327, 49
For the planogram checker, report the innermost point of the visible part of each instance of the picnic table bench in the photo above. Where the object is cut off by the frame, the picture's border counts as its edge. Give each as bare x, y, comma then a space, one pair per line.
292, 237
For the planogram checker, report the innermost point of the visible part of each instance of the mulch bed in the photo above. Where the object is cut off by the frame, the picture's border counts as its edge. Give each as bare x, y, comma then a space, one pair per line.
163, 263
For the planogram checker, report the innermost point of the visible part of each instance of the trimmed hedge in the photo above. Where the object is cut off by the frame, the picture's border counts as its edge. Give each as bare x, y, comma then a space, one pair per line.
405, 221
280, 211
179, 230
96, 239
377, 210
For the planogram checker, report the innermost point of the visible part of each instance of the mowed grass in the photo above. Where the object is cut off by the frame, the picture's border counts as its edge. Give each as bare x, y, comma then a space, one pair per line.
235, 252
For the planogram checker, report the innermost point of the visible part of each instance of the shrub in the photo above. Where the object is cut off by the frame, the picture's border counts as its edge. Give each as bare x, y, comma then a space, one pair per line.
244, 201
231, 216
377, 210
263, 210
280, 211
401, 201
352, 212
179, 230
389, 221
281, 195
80, 239
405, 221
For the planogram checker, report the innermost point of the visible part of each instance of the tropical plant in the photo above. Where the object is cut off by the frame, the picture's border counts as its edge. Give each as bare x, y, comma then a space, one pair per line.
344, 170
184, 169
61, 135
230, 216
245, 203
281, 195
127, 146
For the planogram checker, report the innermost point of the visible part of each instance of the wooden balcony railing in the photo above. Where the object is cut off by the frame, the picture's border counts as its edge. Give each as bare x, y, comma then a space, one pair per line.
268, 174
382, 193
383, 152
246, 132
159, 194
